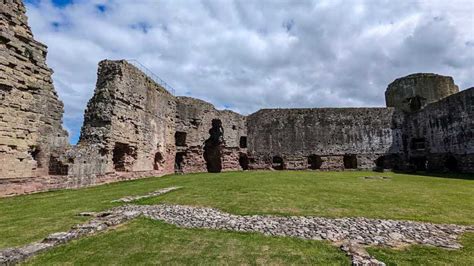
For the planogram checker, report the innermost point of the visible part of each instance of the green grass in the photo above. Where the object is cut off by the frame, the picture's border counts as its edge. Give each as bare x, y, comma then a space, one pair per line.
29, 218
424, 255
152, 242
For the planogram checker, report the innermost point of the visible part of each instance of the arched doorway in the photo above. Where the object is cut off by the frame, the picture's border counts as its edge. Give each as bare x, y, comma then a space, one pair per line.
278, 163
158, 161
244, 161
451, 163
418, 163
388, 161
314, 162
179, 161
213, 147
350, 161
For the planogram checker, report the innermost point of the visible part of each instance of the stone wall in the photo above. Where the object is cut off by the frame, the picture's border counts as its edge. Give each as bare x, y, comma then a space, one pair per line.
193, 121
130, 123
31, 135
440, 137
134, 125
328, 134
128, 133
134, 128
413, 92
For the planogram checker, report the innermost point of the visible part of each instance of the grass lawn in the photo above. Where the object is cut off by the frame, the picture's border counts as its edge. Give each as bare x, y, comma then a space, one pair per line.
28, 218
152, 242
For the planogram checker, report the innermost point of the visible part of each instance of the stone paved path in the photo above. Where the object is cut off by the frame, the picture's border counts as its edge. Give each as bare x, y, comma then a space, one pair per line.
351, 234
149, 195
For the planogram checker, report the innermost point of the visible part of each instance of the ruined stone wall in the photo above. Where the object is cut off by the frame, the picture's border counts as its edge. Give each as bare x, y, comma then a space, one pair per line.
194, 120
128, 133
413, 92
327, 133
130, 123
30, 111
440, 137
134, 128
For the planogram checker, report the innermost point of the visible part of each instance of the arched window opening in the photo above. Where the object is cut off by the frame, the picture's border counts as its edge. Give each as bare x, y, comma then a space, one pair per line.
180, 138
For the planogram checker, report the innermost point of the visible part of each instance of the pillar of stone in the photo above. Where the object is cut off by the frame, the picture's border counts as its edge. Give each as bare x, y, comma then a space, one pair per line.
30, 111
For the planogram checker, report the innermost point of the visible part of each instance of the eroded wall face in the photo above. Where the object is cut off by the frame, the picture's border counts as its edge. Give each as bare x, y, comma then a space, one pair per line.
194, 121
334, 135
130, 122
413, 92
134, 128
440, 137
30, 111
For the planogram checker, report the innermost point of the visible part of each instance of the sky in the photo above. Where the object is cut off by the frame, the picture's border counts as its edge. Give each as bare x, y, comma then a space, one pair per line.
246, 55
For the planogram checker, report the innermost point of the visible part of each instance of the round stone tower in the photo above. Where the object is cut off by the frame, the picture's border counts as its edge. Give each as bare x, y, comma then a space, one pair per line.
413, 92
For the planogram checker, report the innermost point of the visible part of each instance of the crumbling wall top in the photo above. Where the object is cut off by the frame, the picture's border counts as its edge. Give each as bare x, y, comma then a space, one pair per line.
413, 92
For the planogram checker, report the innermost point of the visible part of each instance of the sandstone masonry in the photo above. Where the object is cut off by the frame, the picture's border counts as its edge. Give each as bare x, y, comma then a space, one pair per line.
133, 127
31, 135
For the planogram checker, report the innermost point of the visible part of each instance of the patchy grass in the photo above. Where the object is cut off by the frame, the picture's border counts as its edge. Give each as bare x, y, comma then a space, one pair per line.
435, 199
145, 241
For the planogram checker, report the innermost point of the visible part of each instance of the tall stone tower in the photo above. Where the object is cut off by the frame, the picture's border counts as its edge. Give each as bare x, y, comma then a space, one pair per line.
30, 111
413, 92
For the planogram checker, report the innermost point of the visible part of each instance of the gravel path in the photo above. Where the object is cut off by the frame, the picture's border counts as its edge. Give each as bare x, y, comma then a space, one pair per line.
351, 234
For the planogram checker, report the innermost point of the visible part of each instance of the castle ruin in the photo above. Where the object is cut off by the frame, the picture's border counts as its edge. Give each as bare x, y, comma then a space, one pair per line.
133, 127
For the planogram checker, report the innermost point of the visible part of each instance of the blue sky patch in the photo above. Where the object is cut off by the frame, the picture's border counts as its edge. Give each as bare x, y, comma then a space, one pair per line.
58, 3
56, 25
101, 8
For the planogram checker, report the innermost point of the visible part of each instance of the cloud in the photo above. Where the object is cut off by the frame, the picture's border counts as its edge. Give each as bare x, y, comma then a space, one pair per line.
247, 55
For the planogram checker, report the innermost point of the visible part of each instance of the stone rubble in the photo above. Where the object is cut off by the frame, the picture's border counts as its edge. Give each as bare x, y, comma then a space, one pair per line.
101, 222
358, 255
363, 231
351, 234
149, 195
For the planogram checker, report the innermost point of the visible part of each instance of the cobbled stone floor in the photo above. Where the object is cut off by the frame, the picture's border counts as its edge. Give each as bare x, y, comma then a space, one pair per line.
351, 234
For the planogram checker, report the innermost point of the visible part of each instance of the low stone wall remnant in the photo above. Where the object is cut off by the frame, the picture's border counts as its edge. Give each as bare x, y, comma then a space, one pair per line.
353, 233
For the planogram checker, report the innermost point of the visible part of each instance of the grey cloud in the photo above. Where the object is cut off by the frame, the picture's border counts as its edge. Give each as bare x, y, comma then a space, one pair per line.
258, 54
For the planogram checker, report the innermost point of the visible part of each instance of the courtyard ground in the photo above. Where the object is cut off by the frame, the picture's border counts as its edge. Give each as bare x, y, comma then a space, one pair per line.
424, 198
